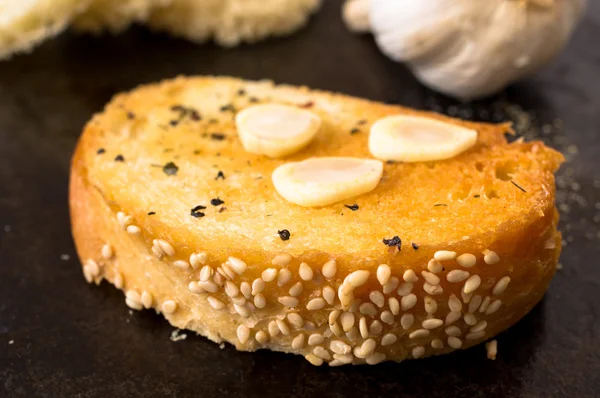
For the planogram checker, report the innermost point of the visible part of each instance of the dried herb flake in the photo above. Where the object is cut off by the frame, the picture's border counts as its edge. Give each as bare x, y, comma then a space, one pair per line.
100, 151
217, 136
354, 131
195, 212
415, 246
440, 204
220, 175
353, 207
395, 241
151, 213
119, 158
284, 234
216, 202
170, 169
518, 186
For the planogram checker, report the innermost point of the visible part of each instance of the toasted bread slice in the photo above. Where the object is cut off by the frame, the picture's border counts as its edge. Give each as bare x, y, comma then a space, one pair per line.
231, 22
26, 23
144, 167
115, 15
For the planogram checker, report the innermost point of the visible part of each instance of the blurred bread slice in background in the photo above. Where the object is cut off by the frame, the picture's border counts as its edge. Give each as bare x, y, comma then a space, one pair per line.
25, 23
231, 22
115, 15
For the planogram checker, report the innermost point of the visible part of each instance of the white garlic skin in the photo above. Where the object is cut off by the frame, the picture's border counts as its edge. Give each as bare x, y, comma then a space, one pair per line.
470, 48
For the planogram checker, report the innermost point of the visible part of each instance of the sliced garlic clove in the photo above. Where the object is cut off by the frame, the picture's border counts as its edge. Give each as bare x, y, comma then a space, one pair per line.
276, 130
323, 181
418, 139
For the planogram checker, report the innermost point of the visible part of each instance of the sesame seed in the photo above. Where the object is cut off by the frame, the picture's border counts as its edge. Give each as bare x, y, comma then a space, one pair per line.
410, 276
309, 325
377, 298
418, 351
118, 280
437, 344
375, 358
408, 302
165, 247
298, 342
243, 334
368, 309
314, 360
501, 286
362, 327
490, 257
430, 278
329, 294
283, 327
368, 347
123, 219
146, 299
273, 329
457, 275
269, 274
106, 251
215, 303
285, 275
194, 288
209, 286
295, 319
246, 290
206, 273
434, 266
475, 336
470, 319
444, 255
329, 269
383, 274
376, 328
169, 307
494, 306
352, 334
239, 300
261, 337
388, 339
306, 272
333, 316
296, 289
472, 284
322, 352
431, 305
479, 327
339, 347
258, 286
405, 289
432, 289
452, 317
419, 333
391, 285
492, 349
355, 304
288, 301
387, 317
343, 359
198, 259
242, 310
394, 305
134, 305
347, 320
485, 304
466, 297
157, 251
432, 323
454, 303
466, 260
358, 278
181, 264
407, 321
238, 266
133, 229
315, 339
347, 300
315, 304
282, 259
260, 301
475, 303
227, 272
453, 331
133, 299
454, 342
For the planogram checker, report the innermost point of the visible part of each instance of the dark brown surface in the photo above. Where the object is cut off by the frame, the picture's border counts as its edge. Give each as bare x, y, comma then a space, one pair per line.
62, 337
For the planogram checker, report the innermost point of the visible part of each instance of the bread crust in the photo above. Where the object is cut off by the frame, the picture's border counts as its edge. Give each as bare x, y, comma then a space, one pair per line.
525, 239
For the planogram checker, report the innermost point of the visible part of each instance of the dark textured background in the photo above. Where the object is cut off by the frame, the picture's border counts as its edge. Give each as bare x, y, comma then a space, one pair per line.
62, 337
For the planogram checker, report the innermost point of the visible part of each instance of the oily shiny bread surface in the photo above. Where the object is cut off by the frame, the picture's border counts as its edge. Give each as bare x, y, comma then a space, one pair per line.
125, 162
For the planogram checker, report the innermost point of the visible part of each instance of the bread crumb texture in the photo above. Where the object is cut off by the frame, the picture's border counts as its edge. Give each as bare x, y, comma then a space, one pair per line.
438, 257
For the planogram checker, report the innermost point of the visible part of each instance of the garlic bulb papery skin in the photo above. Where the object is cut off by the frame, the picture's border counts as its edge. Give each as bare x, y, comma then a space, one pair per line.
472, 48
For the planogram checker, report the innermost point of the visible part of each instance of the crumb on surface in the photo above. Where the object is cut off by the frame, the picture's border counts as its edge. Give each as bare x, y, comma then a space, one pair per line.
176, 335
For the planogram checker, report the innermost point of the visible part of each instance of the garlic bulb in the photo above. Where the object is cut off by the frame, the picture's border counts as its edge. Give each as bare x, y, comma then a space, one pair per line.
469, 48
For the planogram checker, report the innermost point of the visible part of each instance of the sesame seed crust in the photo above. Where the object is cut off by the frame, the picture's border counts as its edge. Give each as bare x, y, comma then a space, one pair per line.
233, 294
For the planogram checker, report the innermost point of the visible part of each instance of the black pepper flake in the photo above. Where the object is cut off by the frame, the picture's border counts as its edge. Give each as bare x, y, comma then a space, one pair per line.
220, 175
170, 169
284, 234
217, 136
195, 212
354, 131
119, 158
439, 204
222, 209
395, 241
415, 246
100, 151
216, 202
241, 91
353, 207
130, 115
253, 99
227, 108
518, 186
476, 196
195, 116
184, 112
199, 207
151, 213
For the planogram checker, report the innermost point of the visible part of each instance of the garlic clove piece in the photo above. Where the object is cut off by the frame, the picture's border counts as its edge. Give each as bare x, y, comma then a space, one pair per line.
323, 181
276, 130
418, 139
